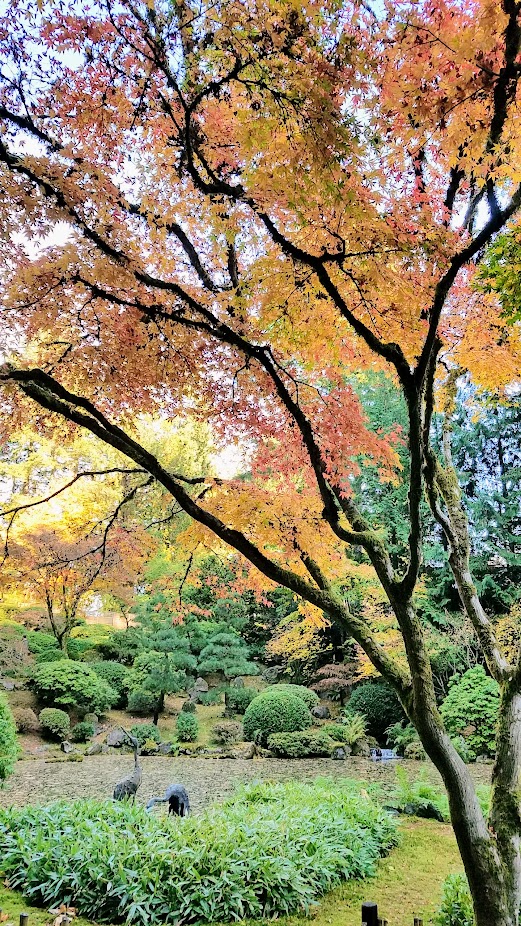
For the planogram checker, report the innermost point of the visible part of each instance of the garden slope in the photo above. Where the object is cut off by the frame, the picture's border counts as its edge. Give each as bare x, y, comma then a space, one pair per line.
273, 849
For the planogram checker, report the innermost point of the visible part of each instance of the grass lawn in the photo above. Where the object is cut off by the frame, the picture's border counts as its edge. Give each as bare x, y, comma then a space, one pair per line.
408, 884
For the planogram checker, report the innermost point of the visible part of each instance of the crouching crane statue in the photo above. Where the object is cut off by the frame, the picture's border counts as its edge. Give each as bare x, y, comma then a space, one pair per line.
126, 788
177, 798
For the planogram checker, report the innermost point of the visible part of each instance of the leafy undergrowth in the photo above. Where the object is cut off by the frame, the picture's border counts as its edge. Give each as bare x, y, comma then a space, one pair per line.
272, 849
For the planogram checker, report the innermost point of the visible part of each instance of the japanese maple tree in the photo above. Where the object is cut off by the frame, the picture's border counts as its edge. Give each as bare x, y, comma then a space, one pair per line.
263, 198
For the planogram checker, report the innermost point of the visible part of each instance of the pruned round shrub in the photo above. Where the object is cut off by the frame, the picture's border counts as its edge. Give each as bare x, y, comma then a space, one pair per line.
301, 745
145, 731
309, 697
8, 741
238, 699
25, 719
55, 723
82, 732
116, 675
272, 850
275, 712
379, 705
189, 707
141, 701
73, 685
187, 728
228, 732
470, 710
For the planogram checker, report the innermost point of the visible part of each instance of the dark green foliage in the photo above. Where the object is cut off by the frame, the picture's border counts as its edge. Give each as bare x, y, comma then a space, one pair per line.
400, 736
187, 728
145, 731
8, 741
470, 710
82, 732
162, 669
141, 701
227, 653
189, 707
380, 706
309, 697
352, 728
124, 645
228, 732
44, 646
275, 712
73, 685
271, 850
55, 722
116, 675
213, 696
456, 906
301, 745
237, 699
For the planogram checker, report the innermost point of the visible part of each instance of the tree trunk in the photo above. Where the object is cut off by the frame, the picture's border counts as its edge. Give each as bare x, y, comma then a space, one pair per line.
159, 708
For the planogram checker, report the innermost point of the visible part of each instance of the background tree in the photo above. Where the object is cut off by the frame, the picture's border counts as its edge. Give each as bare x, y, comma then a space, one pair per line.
263, 201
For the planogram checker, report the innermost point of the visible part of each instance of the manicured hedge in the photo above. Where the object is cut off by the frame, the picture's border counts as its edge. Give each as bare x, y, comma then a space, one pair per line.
275, 712
309, 697
272, 850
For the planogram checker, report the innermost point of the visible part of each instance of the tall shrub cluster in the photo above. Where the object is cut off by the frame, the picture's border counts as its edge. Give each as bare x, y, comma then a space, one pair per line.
8, 741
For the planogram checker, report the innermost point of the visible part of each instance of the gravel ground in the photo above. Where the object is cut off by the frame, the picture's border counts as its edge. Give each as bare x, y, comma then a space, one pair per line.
39, 781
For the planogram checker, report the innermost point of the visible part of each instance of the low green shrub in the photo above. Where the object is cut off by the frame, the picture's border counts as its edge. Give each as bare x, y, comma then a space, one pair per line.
8, 741
309, 697
271, 850
145, 731
419, 798
187, 728
275, 712
463, 749
55, 723
116, 675
73, 685
189, 707
350, 730
470, 710
456, 906
141, 701
238, 699
301, 745
82, 732
44, 646
379, 705
228, 732
400, 736
25, 720
213, 696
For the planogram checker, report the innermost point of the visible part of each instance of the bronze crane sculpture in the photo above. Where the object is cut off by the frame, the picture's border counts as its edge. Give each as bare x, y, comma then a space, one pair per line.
125, 789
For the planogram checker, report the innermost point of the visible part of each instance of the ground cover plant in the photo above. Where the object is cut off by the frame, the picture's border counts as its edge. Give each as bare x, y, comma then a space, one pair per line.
272, 849
8, 741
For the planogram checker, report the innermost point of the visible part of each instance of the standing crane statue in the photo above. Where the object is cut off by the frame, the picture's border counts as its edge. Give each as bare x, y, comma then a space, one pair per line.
126, 788
177, 798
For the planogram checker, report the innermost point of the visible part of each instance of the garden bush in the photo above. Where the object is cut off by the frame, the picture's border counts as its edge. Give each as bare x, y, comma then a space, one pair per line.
228, 732
141, 701
213, 696
309, 697
275, 712
349, 731
82, 732
8, 741
271, 850
145, 731
189, 707
301, 745
419, 798
25, 720
116, 675
238, 699
44, 646
456, 906
470, 710
187, 728
73, 685
54, 722
400, 737
379, 705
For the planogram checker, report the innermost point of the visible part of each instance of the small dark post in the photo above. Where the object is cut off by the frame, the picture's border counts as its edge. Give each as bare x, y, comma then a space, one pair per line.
369, 914
24, 919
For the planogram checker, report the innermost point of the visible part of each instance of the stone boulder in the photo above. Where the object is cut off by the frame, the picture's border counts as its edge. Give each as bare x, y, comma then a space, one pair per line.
272, 674
116, 738
95, 749
361, 748
339, 753
237, 682
241, 751
200, 687
166, 749
7, 684
321, 712
67, 747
